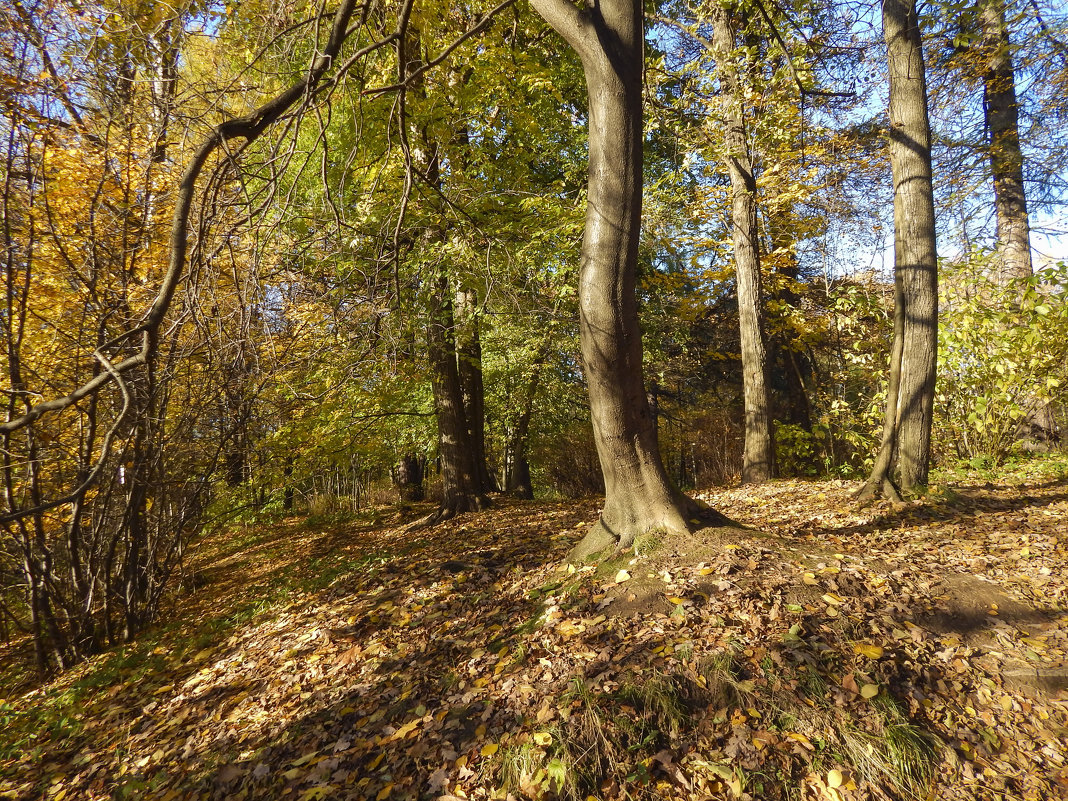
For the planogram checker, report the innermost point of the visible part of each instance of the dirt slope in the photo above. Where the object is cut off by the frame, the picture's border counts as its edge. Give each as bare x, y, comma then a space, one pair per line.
915, 651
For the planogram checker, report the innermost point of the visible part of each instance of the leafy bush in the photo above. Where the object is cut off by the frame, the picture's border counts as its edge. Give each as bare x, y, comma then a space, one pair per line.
1003, 358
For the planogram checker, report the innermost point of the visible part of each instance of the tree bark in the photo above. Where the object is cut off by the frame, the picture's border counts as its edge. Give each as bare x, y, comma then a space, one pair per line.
469, 367
1003, 130
639, 497
462, 490
909, 409
518, 480
408, 477
758, 459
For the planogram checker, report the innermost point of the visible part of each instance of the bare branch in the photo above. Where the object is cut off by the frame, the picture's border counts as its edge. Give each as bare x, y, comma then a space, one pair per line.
249, 128
105, 447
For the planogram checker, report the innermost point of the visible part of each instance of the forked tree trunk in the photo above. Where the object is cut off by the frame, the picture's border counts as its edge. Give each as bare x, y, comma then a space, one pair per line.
906, 442
758, 459
608, 36
1003, 130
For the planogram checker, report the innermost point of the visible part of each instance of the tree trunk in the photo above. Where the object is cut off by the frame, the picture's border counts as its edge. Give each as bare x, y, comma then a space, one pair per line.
518, 480
1003, 130
469, 368
287, 491
408, 477
462, 490
909, 410
639, 497
758, 460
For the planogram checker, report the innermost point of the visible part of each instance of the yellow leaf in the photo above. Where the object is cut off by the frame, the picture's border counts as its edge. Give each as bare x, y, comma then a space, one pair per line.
543, 738
405, 730
807, 743
489, 749
869, 690
308, 757
831, 598
622, 576
384, 792
675, 599
868, 649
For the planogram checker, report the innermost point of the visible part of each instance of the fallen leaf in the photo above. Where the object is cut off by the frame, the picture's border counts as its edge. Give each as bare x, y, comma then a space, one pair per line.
868, 649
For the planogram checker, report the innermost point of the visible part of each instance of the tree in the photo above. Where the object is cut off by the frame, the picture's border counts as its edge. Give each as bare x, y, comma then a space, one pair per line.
639, 496
758, 459
1003, 132
96, 521
906, 439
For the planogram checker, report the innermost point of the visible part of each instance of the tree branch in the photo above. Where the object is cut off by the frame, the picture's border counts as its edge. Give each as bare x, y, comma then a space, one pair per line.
567, 20
249, 128
480, 26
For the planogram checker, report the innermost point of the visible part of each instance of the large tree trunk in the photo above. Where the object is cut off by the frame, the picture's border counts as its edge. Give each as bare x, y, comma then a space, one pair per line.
1003, 129
639, 497
758, 460
909, 410
408, 477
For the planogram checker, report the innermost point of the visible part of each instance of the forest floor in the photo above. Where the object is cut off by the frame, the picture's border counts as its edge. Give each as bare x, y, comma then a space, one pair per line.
909, 651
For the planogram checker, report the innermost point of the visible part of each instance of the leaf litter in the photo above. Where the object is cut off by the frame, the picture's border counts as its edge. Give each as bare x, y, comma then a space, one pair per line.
899, 651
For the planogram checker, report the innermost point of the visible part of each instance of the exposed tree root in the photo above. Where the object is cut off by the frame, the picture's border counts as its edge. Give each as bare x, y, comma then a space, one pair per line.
610, 540
450, 509
874, 489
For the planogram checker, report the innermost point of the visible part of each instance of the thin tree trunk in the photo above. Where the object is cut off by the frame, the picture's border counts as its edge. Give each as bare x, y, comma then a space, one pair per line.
880, 482
463, 489
639, 497
909, 410
518, 480
1003, 129
758, 460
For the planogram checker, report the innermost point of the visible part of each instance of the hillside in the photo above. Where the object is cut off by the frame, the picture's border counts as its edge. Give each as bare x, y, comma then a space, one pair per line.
915, 651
